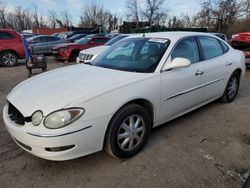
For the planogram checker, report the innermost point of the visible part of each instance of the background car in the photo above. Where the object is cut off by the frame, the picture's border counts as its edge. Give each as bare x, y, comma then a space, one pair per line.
43, 44
220, 35
76, 37
11, 47
87, 55
72, 33
241, 41
70, 51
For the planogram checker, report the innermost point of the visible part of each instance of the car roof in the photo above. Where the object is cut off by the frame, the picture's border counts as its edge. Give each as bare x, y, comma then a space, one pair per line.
8, 30
172, 35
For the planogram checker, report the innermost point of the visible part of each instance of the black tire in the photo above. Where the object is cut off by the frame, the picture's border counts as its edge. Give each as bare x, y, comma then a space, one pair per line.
229, 93
73, 56
29, 73
113, 144
247, 183
8, 59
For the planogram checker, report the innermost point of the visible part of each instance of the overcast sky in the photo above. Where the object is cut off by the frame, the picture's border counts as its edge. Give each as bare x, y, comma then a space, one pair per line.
74, 7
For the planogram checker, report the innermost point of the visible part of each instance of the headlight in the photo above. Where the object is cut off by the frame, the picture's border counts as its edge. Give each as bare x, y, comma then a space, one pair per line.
62, 118
37, 117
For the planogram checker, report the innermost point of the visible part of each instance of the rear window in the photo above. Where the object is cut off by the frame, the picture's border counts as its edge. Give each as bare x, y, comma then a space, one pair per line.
211, 47
5, 35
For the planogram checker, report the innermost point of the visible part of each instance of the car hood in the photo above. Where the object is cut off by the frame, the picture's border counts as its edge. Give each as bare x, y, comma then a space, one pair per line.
58, 88
95, 50
63, 45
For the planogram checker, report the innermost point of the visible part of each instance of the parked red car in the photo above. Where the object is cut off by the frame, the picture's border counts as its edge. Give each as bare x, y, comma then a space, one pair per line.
70, 51
241, 41
11, 47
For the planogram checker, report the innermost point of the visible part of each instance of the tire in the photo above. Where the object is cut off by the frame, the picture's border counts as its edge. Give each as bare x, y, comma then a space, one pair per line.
121, 126
8, 59
232, 88
247, 183
73, 56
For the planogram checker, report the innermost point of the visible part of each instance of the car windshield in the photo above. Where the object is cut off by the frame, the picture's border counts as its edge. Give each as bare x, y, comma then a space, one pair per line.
133, 55
83, 40
115, 39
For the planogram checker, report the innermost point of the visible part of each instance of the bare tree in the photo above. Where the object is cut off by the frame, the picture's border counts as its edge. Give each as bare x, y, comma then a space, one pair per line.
35, 16
52, 16
133, 10
66, 18
2, 15
154, 11
220, 13
94, 14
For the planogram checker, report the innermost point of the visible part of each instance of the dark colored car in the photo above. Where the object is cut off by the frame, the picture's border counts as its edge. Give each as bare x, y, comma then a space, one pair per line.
70, 51
72, 33
220, 35
241, 41
11, 47
43, 44
76, 37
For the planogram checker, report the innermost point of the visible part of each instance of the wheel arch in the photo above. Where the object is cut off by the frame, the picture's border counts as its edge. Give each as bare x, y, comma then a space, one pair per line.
10, 50
148, 105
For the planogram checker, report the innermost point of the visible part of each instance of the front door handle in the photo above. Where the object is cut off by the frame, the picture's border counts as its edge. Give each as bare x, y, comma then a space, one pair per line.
228, 64
199, 72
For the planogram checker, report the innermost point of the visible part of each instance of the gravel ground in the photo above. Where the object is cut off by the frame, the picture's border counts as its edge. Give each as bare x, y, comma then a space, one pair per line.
209, 147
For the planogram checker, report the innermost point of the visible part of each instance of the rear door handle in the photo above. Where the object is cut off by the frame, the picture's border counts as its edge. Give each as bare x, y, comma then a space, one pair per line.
199, 72
228, 64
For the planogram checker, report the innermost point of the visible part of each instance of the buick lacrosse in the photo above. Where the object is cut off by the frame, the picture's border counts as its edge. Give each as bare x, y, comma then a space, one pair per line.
140, 82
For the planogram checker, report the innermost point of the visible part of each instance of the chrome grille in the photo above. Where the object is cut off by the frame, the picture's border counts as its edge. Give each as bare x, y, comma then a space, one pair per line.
86, 57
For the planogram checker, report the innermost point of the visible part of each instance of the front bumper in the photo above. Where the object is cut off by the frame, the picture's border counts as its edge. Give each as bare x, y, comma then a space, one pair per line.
82, 141
62, 55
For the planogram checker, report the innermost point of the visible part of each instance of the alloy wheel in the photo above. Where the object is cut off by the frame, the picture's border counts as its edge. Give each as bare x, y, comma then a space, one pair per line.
9, 59
233, 87
131, 132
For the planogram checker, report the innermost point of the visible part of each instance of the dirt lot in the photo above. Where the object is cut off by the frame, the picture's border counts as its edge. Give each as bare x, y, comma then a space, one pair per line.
209, 147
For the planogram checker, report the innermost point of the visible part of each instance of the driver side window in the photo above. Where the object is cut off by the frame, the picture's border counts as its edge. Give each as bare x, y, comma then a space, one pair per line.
187, 48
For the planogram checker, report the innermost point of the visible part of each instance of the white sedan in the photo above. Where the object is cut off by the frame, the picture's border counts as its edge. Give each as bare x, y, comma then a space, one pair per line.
89, 54
138, 83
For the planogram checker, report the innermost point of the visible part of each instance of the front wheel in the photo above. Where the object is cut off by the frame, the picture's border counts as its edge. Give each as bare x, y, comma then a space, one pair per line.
128, 131
73, 56
8, 59
232, 88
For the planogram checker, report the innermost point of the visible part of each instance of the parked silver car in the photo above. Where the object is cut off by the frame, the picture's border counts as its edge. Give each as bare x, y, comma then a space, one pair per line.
43, 44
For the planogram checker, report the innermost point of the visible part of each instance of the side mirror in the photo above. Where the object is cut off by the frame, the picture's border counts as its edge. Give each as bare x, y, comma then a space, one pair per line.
91, 42
178, 62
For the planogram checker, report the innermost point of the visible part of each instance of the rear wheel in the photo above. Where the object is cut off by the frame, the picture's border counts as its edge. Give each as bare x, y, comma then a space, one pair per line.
232, 88
8, 59
128, 131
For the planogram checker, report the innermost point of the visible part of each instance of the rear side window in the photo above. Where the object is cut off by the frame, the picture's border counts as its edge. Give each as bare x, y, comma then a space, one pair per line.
187, 48
224, 47
5, 35
210, 47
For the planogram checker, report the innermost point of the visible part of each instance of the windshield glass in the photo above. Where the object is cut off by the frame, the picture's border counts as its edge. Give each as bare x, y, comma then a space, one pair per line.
83, 40
133, 54
115, 39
